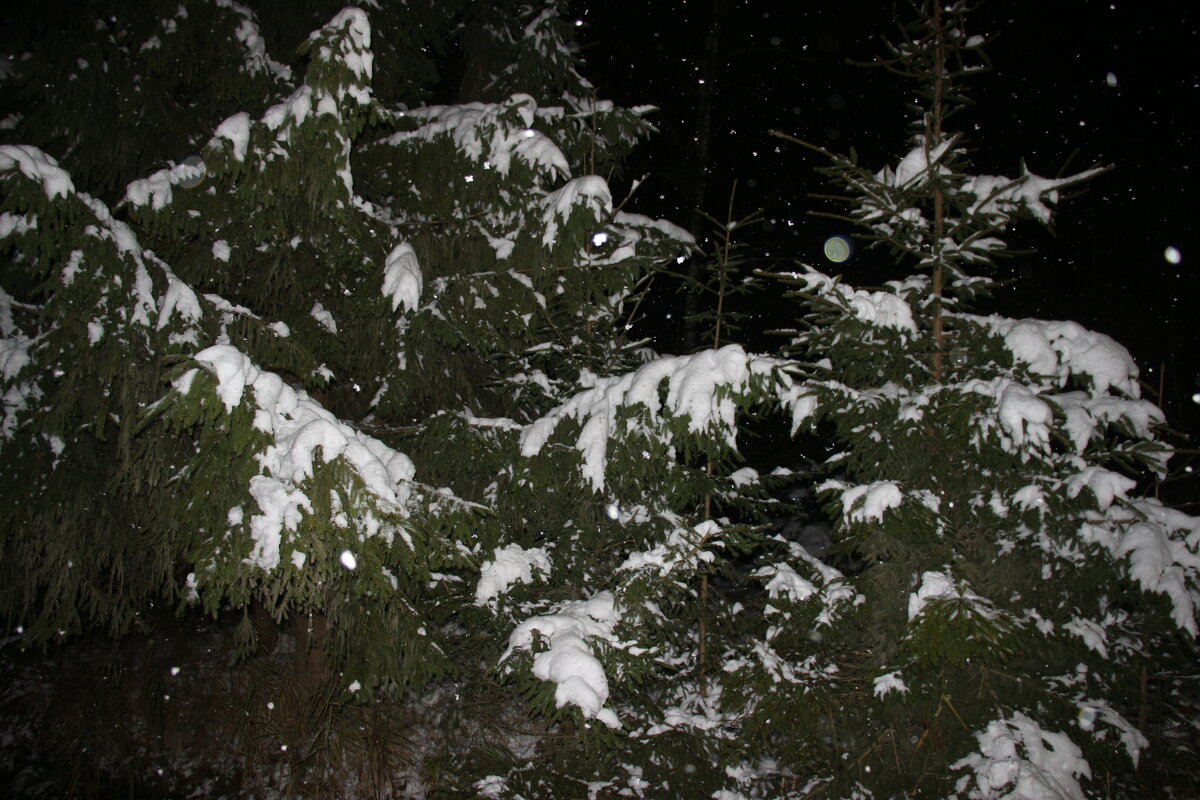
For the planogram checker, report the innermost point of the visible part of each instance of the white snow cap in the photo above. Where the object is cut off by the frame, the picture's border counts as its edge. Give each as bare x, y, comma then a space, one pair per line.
1058, 350
301, 428
509, 565
881, 309
913, 169
942, 586
236, 131
402, 277
569, 661
891, 682
38, 166
1018, 760
480, 131
692, 384
868, 502
590, 191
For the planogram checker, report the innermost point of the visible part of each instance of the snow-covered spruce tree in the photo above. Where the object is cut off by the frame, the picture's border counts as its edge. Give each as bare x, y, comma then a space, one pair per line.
1020, 605
138, 86
1021, 585
249, 380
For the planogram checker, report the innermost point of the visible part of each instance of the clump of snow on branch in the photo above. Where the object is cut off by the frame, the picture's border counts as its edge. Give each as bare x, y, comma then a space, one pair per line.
590, 191
914, 168
38, 166
880, 309
700, 389
324, 318
1023, 418
782, 581
887, 683
683, 547
236, 131
866, 503
484, 132
1018, 760
15, 355
1160, 548
941, 586
1060, 350
256, 59
158, 188
301, 431
179, 299
509, 565
402, 277
1001, 198
568, 659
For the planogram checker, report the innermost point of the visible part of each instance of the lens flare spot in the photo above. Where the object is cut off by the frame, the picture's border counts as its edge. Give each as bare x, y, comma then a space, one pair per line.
193, 176
837, 249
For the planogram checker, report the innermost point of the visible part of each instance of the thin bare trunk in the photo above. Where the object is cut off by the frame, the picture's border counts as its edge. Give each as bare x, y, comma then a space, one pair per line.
939, 213
710, 67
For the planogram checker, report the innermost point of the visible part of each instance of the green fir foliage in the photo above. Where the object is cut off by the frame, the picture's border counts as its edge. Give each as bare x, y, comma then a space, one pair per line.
340, 347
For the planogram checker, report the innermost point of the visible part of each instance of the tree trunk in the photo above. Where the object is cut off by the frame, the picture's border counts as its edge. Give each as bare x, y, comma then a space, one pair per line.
309, 662
710, 69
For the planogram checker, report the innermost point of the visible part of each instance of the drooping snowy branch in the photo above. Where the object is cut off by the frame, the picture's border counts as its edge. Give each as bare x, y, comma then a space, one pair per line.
702, 389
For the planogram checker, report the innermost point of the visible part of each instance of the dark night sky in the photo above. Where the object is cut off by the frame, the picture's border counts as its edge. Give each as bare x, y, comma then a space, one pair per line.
1049, 100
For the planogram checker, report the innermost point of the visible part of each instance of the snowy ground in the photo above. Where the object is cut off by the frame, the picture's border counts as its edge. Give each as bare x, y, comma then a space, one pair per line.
168, 715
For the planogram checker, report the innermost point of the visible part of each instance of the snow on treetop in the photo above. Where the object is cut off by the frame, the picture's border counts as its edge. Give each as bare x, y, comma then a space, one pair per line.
569, 660
257, 60
38, 166
354, 50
